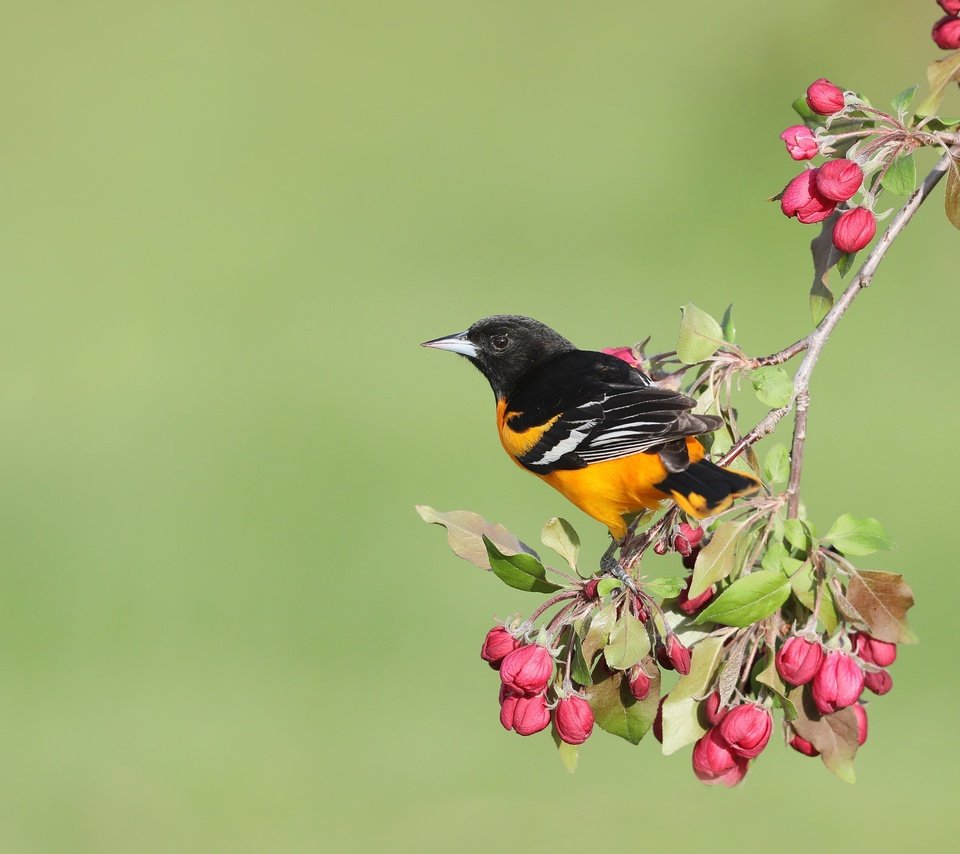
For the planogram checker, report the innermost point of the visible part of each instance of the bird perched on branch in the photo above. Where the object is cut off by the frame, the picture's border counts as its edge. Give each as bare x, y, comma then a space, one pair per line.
593, 427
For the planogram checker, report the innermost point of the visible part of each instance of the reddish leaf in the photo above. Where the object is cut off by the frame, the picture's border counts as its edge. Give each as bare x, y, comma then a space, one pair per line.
882, 599
834, 735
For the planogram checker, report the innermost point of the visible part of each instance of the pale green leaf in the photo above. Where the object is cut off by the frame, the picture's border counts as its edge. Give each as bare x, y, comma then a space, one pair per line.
681, 721
853, 536
700, 335
773, 385
559, 535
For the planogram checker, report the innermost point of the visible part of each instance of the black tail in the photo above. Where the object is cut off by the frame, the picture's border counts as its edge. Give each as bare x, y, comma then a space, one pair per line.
704, 488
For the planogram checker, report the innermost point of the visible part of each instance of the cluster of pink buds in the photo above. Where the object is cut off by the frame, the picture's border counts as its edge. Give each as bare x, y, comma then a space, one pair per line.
946, 31
736, 735
816, 193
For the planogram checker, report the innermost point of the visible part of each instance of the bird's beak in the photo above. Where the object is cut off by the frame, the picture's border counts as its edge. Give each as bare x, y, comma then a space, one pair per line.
458, 343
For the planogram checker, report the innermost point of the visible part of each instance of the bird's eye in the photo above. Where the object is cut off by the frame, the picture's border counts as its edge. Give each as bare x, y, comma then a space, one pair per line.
499, 342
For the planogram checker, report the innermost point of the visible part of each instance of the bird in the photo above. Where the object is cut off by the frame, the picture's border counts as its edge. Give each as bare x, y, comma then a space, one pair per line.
594, 427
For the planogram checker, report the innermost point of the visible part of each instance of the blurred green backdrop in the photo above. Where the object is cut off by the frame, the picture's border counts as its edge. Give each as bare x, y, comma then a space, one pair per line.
225, 228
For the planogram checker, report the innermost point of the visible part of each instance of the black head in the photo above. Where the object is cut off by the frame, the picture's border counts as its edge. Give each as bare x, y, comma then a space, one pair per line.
504, 348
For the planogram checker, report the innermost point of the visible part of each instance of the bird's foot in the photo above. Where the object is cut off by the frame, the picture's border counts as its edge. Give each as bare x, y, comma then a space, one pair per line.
611, 566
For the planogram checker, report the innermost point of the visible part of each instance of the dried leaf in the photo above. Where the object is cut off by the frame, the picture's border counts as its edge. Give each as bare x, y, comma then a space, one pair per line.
951, 198
465, 532
883, 598
939, 75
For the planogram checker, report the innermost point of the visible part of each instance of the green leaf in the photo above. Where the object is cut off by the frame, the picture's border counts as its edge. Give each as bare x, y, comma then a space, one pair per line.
559, 535
598, 630
776, 464
700, 335
802, 109
901, 177
521, 571
903, 101
845, 262
614, 707
729, 330
825, 257
773, 386
939, 75
716, 560
607, 585
774, 556
628, 643
748, 600
951, 197
883, 599
770, 676
465, 532
579, 669
854, 536
834, 735
665, 588
795, 533
569, 753
681, 719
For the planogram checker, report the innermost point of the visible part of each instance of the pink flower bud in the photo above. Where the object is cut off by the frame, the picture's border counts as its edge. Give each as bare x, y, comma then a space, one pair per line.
690, 561
839, 179
875, 651
624, 353
714, 762
801, 745
530, 715
861, 714
802, 199
639, 611
590, 589
496, 645
854, 229
692, 606
659, 547
658, 720
711, 709
946, 33
640, 683
678, 654
573, 719
824, 98
800, 141
837, 684
526, 670
798, 660
747, 729
687, 538
951, 7
508, 705
878, 681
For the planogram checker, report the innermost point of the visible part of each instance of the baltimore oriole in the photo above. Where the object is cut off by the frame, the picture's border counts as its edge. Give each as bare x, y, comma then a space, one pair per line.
594, 427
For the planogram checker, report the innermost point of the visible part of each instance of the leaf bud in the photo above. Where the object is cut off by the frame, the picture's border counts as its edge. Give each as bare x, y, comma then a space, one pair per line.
878, 681
824, 98
496, 645
800, 141
802, 200
854, 229
526, 670
573, 719
839, 179
861, 714
747, 729
798, 660
946, 33
837, 684
715, 763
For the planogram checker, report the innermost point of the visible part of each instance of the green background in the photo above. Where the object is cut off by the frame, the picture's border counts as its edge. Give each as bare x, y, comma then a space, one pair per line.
225, 228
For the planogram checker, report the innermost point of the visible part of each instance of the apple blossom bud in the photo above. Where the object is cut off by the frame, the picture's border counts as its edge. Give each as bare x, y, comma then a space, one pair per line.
526, 670
496, 645
714, 762
678, 655
712, 710
875, 651
659, 547
798, 660
690, 561
800, 141
861, 714
530, 715
878, 681
801, 745
824, 98
951, 7
639, 611
802, 199
692, 606
658, 720
839, 179
837, 684
573, 719
639, 683
508, 705
687, 538
854, 229
590, 589
747, 729
946, 33
624, 353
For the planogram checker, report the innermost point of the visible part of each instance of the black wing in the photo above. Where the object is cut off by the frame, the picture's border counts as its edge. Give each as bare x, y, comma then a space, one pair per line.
607, 410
